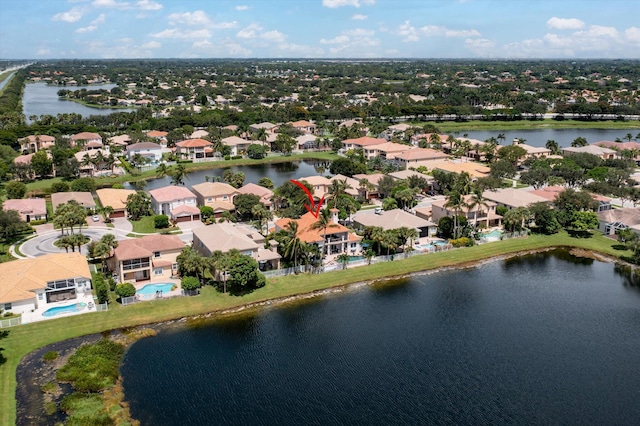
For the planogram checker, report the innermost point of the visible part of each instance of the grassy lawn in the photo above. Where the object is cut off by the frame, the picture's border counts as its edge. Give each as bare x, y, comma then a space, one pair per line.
451, 126
146, 226
27, 338
41, 186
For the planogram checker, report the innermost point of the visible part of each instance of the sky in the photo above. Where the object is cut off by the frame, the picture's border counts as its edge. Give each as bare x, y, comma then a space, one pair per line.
97, 29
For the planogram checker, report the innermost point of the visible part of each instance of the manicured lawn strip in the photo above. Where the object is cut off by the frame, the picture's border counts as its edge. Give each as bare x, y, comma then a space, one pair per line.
27, 338
452, 126
146, 225
104, 181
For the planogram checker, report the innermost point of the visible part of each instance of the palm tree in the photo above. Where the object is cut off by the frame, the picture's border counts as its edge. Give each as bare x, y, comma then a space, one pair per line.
293, 246
343, 259
463, 183
261, 215
179, 174
435, 141
552, 146
365, 187
337, 188
628, 137
407, 234
390, 240
454, 202
162, 170
88, 161
323, 222
226, 216
501, 137
477, 200
107, 210
369, 254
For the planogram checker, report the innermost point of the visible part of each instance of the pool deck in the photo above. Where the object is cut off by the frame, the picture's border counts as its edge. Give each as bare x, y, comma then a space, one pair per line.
36, 315
174, 281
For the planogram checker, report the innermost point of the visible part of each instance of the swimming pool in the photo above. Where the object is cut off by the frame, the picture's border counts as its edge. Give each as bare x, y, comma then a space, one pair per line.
494, 235
52, 312
154, 288
355, 258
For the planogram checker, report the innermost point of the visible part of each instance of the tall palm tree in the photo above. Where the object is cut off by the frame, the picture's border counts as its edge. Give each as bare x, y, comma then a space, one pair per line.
501, 137
261, 215
435, 141
552, 146
323, 222
337, 188
454, 202
179, 174
226, 216
477, 200
88, 161
293, 247
162, 170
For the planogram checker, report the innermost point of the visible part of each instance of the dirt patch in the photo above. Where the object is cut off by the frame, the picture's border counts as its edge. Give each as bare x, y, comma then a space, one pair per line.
578, 252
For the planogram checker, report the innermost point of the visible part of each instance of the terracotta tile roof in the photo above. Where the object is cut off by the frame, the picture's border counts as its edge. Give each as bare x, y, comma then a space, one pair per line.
306, 232
418, 154
475, 170
85, 199
364, 141
143, 145
86, 136
116, 198
32, 206
513, 197
392, 219
43, 138
194, 143
372, 178
20, 278
235, 140
167, 194
265, 194
214, 189
23, 159
145, 246
224, 237
185, 210
156, 134
302, 123
627, 215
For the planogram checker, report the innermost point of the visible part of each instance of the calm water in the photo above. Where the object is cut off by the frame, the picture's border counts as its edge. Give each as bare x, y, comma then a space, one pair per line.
544, 339
40, 99
564, 137
277, 172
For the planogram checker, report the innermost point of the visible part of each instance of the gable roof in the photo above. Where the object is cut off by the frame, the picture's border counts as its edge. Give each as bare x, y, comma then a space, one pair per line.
260, 191
35, 206
235, 140
20, 278
145, 246
224, 237
364, 141
85, 199
171, 193
85, 136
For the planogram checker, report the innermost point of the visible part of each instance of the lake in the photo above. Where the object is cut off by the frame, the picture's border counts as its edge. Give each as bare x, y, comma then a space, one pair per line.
277, 172
540, 339
539, 137
41, 99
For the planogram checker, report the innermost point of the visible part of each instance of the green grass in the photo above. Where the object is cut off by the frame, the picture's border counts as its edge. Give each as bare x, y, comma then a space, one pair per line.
146, 226
27, 338
451, 126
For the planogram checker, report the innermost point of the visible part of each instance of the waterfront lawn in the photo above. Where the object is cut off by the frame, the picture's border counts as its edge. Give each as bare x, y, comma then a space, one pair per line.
27, 338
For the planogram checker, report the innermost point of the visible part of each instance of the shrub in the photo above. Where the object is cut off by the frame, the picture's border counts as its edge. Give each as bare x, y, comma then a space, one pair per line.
461, 242
60, 187
227, 157
85, 184
161, 221
117, 186
125, 290
37, 222
236, 157
102, 289
50, 356
190, 283
15, 190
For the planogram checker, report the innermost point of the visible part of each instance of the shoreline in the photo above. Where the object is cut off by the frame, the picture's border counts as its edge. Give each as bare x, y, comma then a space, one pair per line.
29, 338
30, 405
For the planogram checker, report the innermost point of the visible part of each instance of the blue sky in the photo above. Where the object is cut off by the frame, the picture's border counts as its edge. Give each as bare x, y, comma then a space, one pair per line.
41, 29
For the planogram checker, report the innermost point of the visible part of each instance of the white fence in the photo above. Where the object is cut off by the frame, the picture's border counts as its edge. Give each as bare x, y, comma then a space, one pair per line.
12, 322
102, 307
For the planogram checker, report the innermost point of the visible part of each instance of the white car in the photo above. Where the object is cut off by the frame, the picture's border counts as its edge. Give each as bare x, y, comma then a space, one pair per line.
95, 218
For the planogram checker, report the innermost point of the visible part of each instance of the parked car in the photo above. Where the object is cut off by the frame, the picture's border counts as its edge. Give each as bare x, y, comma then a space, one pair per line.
95, 218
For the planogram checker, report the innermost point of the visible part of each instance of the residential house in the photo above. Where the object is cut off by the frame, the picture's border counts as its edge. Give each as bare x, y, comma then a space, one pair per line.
417, 157
612, 221
149, 150
533, 151
28, 208
160, 137
198, 134
372, 190
34, 143
397, 130
604, 153
116, 199
238, 145
512, 198
632, 149
268, 127
306, 141
551, 192
361, 143
35, 283
85, 199
406, 174
94, 161
304, 126
177, 202
194, 149
217, 195
121, 141
479, 215
149, 257
265, 194
320, 185
227, 236
352, 184
84, 137
475, 170
394, 219
335, 239
387, 150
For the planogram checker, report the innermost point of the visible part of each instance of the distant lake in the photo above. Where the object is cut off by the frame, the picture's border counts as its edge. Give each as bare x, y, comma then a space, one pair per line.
277, 172
539, 137
41, 99
544, 339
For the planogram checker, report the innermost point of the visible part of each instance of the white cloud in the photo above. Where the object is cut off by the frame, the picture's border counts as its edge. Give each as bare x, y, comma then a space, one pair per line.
148, 5
292, 49
359, 32
273, 36
632, 34
199, 17
152, 45
249, 32
72, 15
341, 39
359, 17
356, 42
462, 33
87, 29
408, 32
565, 23
339, 3
440, 31
179, 33
225, 25
111, 4
242, 8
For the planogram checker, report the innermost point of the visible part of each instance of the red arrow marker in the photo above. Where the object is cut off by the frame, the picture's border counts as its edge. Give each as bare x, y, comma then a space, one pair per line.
311, 209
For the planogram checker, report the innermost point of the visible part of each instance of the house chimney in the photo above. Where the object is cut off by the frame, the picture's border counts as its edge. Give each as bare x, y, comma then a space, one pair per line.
334, 215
